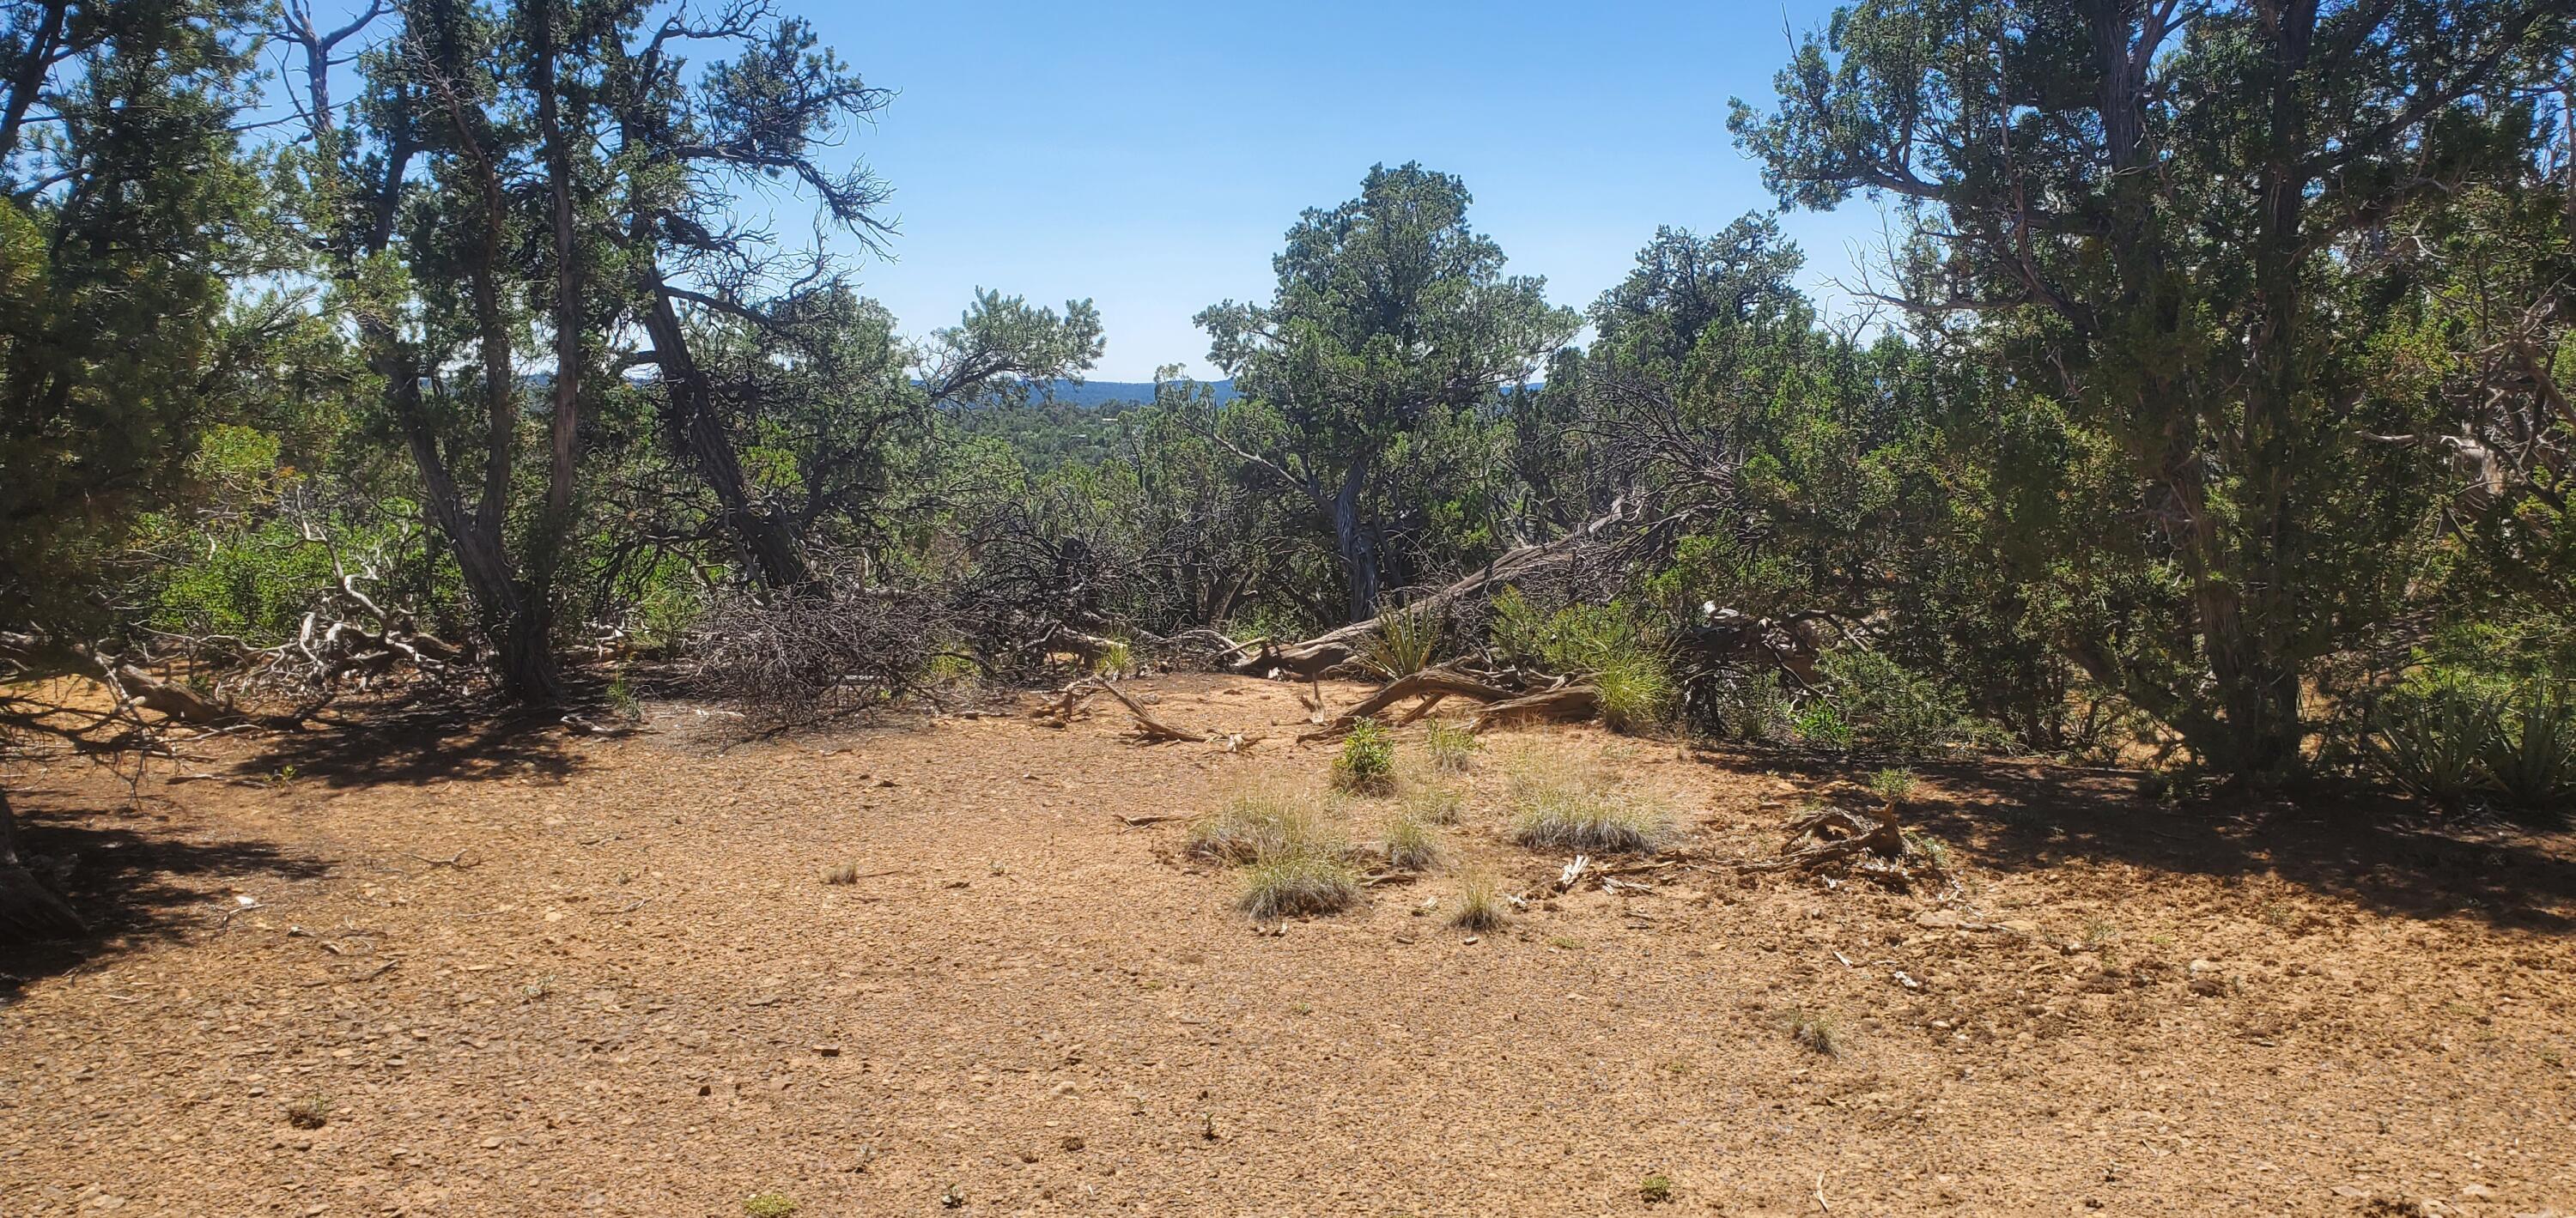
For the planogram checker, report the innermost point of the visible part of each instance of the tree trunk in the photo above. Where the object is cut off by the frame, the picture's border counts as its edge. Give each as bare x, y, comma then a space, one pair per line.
526, 667
564, 451
689, 417
513, 615
28, 910
1356, 542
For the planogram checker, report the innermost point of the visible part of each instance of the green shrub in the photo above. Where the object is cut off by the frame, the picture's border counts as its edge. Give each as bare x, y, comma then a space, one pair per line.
1519, 630
1893, 785
1819, 726
1600, 644
1366, 764
1451, 747
768, 1205
1887, 707
1405, 642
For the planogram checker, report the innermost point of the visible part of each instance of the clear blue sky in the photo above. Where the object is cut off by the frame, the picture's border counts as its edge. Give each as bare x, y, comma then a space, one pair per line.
1149, 156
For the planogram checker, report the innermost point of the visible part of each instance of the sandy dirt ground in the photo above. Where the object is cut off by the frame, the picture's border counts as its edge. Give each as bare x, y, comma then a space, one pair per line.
514, 972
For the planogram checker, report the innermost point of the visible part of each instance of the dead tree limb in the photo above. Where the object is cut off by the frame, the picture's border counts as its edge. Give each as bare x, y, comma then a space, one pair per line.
1335, 648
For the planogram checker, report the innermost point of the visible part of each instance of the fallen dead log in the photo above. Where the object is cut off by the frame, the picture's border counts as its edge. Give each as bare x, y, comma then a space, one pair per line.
1844, 840
1431, 685
1572, 703
1148, 726
175, 702
1334, 648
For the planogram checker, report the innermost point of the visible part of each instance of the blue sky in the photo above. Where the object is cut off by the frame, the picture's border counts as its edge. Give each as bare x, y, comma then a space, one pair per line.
1149, 156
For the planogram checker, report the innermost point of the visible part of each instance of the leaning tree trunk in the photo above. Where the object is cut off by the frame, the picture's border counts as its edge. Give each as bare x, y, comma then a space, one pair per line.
1334, 648
689, 417
28, 910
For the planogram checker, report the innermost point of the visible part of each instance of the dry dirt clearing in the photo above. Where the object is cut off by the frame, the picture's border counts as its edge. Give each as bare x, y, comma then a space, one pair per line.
514, 973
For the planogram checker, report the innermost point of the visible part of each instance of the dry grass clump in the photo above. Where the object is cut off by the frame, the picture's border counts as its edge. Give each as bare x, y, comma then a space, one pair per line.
1259, 824
1480, 904
1432, 805
1814, 1029
1297, 862
1557, 809
311, 1112
1450, 746
1298, 884
1410, 844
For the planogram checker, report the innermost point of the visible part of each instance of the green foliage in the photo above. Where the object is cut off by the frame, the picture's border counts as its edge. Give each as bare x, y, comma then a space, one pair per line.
1115, 660
2429, 736
1820, 725
1298, 885
1480, 906
2174, 417
1258, 824
1602, 644
1879, 703
1433, 805
1752, 708
1391, 318
1405, 642
769, 1205
2476, 724
1893, 785
1366, 763
2531, 758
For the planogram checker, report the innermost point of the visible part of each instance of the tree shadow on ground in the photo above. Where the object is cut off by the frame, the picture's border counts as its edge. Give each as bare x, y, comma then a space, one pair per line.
2358, 847
130, 879
421, 742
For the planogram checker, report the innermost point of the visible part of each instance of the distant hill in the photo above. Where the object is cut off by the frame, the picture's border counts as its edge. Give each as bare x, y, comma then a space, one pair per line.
1090, 394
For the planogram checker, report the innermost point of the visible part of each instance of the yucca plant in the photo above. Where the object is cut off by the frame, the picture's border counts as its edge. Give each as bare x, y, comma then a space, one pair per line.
1405, 642
2530, 753
2432, 740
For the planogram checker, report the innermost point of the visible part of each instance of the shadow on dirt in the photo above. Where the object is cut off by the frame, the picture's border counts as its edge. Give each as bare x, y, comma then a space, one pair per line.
129, 879
422, 742
2372, 851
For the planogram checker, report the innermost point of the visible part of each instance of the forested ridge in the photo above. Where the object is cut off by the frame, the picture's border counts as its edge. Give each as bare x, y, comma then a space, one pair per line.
2210, 411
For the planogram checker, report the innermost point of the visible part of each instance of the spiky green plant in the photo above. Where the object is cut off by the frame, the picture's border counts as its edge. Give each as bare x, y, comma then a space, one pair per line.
1405, 642
2430, 739
2530, 757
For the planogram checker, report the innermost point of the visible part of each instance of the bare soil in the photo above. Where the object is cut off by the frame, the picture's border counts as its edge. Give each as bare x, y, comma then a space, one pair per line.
463, 967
